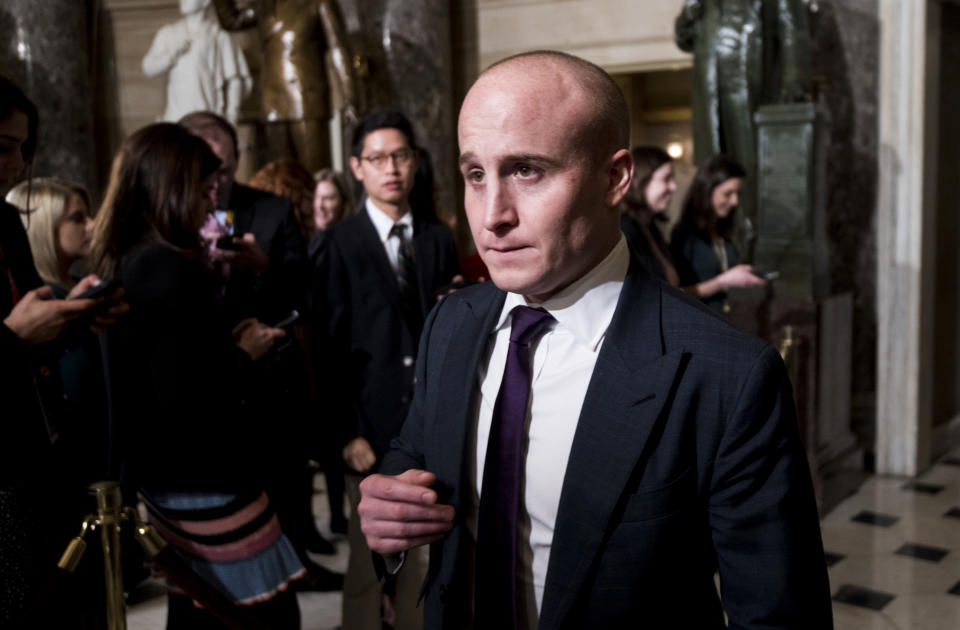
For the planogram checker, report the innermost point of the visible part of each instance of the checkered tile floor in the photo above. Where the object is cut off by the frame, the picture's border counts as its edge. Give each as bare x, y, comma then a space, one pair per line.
893, 552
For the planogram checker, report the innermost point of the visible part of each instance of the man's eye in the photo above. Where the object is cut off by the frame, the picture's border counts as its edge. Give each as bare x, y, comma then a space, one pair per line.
525, 171
474, 177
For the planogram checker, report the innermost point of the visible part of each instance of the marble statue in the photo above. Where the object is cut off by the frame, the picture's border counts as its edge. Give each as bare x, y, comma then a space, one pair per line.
207, 70
746, 53
296, 36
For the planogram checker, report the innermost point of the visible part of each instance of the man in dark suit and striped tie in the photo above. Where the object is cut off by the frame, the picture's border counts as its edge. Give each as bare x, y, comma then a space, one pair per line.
378, 276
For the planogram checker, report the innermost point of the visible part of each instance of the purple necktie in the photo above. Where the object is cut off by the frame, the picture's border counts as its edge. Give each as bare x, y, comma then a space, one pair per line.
496, 586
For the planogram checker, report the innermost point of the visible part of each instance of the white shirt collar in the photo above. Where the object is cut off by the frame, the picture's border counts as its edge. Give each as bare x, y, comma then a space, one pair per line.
383, 223
585, 307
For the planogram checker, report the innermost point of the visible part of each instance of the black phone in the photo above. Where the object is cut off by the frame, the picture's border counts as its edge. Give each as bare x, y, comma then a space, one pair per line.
287, 325
104, 289
227, 242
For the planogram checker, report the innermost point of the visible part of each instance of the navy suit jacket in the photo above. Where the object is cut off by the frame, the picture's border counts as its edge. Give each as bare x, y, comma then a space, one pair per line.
269, 296
367, 346
686, 459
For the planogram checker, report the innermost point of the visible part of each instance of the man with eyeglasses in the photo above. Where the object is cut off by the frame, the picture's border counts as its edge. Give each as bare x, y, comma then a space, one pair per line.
379, 274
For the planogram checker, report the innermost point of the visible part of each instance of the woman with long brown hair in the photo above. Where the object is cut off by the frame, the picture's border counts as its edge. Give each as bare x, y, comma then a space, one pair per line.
706, 258
179, 379
646, 203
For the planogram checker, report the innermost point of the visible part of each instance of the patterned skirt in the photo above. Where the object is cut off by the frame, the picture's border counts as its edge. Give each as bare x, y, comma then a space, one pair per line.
232, 541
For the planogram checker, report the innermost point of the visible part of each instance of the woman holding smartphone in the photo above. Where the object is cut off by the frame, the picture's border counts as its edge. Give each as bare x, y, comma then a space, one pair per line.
179, 377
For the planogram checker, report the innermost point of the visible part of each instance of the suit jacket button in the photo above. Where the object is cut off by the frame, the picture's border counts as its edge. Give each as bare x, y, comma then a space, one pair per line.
407, 361
405, 400
443, 594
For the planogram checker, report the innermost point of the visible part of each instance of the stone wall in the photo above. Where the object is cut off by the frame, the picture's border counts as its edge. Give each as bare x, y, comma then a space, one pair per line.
45, 48
846, 43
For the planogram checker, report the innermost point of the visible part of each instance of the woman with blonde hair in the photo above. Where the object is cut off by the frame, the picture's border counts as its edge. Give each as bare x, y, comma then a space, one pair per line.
56, 214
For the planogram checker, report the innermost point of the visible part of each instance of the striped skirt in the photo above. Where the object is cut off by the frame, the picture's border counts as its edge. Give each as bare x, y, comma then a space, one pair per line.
232, 541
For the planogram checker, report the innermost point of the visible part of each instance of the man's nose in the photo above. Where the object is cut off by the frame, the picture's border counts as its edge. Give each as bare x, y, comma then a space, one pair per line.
499, 209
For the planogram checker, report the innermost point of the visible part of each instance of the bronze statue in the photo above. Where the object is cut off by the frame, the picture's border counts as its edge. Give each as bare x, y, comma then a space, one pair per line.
295, 36
745, 53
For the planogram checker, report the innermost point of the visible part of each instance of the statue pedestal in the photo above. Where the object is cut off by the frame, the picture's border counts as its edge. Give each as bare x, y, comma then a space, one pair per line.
792, 223
791, 199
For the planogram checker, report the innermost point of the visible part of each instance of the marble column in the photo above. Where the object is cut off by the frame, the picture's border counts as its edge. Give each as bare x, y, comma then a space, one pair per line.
45, 49
406, 46
905, 270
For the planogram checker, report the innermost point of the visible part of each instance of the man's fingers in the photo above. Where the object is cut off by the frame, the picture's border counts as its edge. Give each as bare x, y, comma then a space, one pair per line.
397, 489
376, 510
417, 477
386, 546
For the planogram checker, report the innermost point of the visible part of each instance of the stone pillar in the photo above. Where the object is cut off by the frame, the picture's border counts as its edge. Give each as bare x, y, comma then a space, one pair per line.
407, 47
45, 49
905, 271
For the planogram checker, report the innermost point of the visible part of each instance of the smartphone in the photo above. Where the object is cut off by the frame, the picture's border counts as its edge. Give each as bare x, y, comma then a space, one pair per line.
287, 324
289, 319
103, 289
767, 275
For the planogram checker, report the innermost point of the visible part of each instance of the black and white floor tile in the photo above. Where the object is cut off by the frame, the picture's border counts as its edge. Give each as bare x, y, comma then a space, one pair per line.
893, 552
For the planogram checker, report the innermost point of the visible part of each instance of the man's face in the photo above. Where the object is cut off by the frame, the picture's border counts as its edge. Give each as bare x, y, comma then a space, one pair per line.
539, 203
13, 133
222, 145
386, 168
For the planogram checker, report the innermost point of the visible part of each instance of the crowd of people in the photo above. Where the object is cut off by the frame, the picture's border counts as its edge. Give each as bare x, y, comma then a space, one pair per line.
240, 334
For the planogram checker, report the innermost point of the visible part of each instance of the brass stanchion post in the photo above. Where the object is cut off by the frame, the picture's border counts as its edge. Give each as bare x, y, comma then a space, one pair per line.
109, 518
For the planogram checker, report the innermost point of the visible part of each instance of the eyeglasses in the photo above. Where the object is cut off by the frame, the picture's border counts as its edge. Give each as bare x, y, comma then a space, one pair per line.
379, 161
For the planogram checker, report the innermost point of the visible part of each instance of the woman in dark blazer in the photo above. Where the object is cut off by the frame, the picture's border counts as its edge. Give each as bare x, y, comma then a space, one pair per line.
706, 259
178, 376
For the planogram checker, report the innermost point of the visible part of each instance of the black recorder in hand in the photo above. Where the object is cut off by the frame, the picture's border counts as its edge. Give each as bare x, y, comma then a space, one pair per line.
287, 325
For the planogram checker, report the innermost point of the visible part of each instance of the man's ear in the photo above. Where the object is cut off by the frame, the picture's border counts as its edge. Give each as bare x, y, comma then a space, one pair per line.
620, 172
355, 167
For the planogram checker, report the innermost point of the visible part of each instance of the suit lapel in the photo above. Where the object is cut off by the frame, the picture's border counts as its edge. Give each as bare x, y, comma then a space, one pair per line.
630, 384
425, 257
475, 321
370, 246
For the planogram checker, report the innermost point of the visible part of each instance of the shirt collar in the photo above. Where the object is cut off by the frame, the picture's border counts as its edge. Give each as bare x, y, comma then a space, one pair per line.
383, 223
586, 307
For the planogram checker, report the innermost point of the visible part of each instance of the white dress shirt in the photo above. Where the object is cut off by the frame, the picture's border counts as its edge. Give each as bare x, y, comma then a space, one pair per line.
562, 364
383, 224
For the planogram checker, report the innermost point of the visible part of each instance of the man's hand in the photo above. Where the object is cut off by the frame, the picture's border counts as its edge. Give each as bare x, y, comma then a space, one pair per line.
359, 455
401, 512
247, 257
38, 318
255, 338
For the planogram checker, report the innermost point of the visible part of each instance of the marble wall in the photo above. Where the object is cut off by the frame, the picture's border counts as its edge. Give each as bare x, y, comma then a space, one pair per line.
407, 49
846, 49
45, 48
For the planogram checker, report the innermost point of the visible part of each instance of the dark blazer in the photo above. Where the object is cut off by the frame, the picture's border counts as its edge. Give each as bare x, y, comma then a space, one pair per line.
368, 352
696, 261
177, 379
686, 458
269, 296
